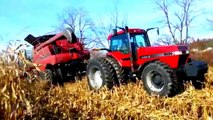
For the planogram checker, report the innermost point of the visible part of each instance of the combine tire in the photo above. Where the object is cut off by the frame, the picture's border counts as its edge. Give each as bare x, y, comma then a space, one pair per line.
32, 75
121, 76
100, 73
159, 79
49, 76
53, 76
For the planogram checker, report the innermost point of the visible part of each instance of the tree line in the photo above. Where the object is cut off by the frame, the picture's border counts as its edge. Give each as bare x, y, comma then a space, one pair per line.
177, 20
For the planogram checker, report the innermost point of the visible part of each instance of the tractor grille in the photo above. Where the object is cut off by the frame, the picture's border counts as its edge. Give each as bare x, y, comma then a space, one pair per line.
182, 59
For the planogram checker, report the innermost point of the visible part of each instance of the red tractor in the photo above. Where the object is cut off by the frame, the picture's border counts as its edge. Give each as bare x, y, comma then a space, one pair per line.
130, 55
60, 56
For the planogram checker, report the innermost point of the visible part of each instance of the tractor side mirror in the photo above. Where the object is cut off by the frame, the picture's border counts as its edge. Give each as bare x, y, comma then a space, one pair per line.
126, 29
114, 31
152, 29
158, 31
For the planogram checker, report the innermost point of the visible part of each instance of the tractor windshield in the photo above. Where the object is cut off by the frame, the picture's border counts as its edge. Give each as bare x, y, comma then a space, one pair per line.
120, 43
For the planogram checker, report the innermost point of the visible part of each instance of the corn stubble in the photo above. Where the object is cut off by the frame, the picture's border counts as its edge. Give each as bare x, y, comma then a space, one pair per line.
33, 98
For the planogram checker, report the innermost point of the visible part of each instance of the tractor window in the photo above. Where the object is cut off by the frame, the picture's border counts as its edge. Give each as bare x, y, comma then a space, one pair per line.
140, 40
120, 43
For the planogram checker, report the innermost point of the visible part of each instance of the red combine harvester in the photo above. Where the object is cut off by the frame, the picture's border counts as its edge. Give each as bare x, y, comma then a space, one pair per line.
162, 68
60, 56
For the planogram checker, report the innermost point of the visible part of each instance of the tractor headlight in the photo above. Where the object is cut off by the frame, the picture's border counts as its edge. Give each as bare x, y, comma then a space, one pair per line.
185, 52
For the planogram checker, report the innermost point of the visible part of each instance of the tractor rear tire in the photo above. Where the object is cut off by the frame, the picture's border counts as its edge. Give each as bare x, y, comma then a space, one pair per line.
99, 74
159, 79
121, 76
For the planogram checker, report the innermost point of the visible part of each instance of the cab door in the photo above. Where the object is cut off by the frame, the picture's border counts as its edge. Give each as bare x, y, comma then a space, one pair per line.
119, 45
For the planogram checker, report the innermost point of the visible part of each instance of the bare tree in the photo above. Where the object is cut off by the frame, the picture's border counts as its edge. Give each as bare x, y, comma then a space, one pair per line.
179, 22
78, 20
107, 23
164, 40
93, 34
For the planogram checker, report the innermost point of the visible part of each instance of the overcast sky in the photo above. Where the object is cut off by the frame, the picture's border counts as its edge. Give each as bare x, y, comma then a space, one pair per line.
18, 18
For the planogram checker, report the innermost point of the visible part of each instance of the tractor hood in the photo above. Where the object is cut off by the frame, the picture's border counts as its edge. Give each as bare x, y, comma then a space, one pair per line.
163, 51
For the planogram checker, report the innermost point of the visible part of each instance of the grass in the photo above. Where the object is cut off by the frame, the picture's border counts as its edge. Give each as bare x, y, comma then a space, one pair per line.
201, 45
36, 99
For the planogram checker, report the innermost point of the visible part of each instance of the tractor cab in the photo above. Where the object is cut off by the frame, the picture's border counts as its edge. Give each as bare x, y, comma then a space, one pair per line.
134, 36
121, 41
124, 44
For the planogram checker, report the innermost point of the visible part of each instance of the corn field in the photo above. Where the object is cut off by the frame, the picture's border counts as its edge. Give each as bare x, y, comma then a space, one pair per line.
23, 95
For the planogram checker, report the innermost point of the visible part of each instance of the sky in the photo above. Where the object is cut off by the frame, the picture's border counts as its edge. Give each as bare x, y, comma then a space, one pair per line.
18, 18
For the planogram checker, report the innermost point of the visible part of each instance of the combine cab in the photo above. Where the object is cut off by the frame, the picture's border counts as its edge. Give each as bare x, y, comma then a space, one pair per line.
162, 69
61, 56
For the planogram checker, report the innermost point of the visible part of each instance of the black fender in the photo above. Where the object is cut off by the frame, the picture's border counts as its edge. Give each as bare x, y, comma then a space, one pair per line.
195, 68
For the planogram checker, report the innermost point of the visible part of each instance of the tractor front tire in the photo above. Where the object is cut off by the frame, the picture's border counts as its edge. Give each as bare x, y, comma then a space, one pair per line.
99, 74
159, 79
121, 75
